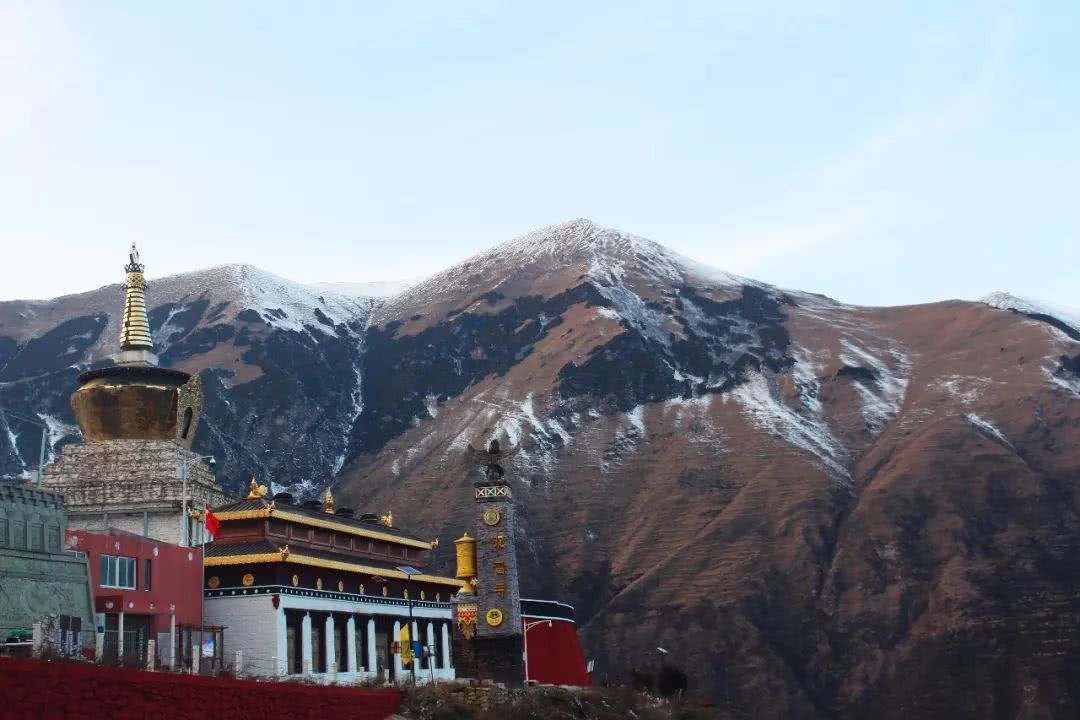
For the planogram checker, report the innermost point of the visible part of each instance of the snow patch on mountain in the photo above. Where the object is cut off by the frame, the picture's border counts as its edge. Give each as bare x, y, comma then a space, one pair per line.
1067, 383
761, 401
1007, 301
282, 303
965, 388
882, 400
988, 428
57, 431
806, 371
607, 253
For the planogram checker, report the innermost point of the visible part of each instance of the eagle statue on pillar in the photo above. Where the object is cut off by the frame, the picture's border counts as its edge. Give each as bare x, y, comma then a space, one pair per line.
491, 459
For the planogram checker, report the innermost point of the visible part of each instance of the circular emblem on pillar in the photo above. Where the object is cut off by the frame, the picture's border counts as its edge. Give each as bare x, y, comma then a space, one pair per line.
361, 588
213, 582
494, 617
491, 517
422, 595
384, 591
295, 580
340, 586
405, 593
318, 583
248, 579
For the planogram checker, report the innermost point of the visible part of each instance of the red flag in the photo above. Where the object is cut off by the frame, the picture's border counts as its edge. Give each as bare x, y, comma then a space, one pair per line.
213, 525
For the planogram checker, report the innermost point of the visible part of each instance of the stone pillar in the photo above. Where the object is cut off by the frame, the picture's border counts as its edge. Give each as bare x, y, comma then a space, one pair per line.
120, 638
429, 642
281, 652
372, 663
445, 663
331, 644
305, 644
350, 644
397, 657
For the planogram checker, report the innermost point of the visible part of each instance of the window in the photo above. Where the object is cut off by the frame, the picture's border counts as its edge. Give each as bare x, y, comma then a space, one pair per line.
146, 574
54, 538
18, 539
185, 425
37, 536
3, 532
78, 553
278, 527
117, 572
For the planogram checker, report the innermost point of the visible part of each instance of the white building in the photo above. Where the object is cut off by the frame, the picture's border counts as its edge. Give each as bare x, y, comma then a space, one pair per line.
310, 592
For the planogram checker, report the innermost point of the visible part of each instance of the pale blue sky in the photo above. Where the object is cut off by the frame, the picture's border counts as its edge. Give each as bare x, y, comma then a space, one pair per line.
880, 153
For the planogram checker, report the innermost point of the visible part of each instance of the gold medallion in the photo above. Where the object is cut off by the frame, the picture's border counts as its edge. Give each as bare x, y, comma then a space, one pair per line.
295, 580
494, 617
213, 582
491, 516
248, 579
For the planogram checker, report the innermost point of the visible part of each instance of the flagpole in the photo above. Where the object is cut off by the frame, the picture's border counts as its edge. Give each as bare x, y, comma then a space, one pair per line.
202, 582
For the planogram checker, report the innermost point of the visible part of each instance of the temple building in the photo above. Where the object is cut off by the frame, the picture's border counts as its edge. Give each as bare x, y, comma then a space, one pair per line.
307, 590
135, 471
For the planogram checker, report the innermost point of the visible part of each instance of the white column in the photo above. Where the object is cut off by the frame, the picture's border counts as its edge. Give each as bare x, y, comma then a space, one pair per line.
397, 657
120, 638
281, 653
414, 637
331, 654
371, 662
445, 664
430, 643
172, 641
350, 644
305, 644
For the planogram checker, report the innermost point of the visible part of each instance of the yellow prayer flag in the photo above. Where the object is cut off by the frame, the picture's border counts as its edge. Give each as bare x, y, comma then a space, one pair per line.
406, 646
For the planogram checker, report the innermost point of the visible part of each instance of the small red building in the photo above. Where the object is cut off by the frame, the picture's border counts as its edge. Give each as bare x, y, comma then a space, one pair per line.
553, 654
143, 589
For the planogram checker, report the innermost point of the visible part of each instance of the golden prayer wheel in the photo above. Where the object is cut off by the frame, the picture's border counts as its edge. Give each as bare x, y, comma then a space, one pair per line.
466, 557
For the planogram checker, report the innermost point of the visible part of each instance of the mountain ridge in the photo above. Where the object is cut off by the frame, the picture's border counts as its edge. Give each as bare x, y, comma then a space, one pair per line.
818, 504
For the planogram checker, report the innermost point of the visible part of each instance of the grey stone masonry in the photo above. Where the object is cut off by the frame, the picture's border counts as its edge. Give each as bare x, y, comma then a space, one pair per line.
37, 577
132, 485
496, 562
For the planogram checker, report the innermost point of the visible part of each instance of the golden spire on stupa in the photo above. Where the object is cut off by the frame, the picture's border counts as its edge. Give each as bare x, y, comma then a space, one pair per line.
329, 501
136, 344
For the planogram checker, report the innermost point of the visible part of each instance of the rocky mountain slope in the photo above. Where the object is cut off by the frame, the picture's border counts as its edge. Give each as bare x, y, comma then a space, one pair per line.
824, 511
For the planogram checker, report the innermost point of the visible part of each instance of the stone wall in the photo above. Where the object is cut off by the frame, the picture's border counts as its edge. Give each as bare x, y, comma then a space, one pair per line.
493, 659
135, 483
251, 624
37, 578
60, 690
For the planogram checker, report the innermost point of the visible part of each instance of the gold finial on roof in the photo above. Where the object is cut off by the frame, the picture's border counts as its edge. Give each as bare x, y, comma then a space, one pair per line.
387, 519
135, 327
256, 491
329, 502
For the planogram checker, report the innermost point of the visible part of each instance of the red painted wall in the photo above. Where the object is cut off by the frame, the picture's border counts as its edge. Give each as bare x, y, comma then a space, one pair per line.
555, 655
60, 690
175, 574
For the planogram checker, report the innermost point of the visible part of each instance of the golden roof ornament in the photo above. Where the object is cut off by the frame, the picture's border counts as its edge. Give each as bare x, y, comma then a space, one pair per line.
387, 519
256, 491
329, 502
136, 343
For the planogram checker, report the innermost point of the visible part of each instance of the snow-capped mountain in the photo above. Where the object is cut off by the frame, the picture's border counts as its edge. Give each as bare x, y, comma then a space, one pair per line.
267, 348
819, 505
